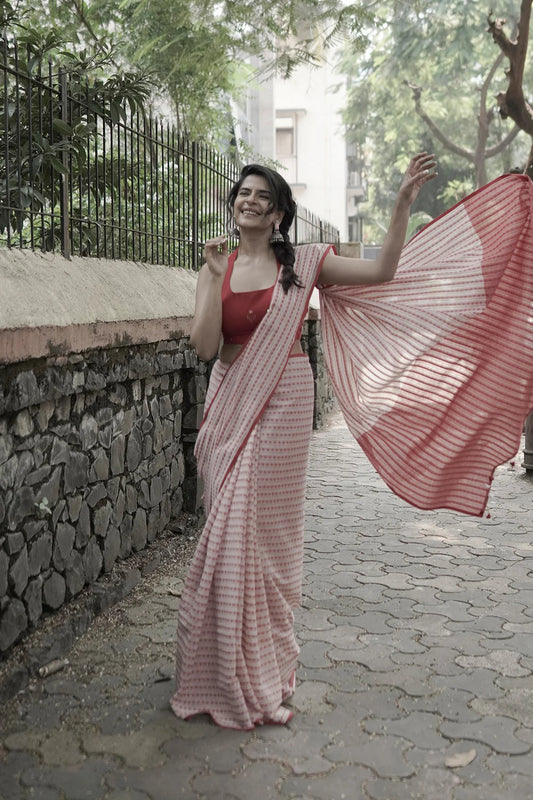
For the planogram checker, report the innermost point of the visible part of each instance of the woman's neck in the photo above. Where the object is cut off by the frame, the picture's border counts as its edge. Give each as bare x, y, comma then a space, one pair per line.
252, 246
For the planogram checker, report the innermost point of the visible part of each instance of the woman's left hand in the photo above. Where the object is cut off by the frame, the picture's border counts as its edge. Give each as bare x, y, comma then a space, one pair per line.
417, 174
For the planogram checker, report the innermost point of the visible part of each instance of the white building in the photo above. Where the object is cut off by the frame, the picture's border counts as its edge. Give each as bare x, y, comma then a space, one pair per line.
297, 123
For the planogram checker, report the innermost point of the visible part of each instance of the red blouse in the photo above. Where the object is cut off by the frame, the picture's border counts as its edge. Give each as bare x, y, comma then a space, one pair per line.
242, 311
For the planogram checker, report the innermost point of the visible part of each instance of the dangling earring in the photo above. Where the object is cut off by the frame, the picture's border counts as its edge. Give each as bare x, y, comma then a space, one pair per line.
277, 236
233, 230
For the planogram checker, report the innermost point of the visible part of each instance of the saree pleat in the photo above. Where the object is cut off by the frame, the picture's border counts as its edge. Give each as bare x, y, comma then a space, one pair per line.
236, 647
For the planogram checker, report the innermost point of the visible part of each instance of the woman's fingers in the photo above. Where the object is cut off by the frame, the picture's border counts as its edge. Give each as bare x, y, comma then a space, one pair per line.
421, 166
419, 171
216, 254
218, 243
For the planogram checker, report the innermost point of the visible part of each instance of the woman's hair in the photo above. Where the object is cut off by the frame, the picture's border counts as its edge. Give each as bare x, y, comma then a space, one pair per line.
282, 200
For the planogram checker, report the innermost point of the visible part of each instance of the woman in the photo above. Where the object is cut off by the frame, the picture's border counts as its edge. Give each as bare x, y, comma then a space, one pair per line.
237, 652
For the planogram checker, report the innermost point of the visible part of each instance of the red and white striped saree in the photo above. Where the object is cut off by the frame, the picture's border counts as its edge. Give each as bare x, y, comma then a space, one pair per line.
434, 374
236, 649
434, 370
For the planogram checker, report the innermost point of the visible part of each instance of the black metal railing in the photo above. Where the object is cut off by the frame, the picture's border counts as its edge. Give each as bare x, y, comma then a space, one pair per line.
89, 175
308, 227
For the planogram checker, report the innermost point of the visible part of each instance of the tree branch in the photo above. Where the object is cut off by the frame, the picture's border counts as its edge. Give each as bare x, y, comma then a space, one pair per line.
443, 139
486, 83
499, 36
522, 40
497, 148
80, 13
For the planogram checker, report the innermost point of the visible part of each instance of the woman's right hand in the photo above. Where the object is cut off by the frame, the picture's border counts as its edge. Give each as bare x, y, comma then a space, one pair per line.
216, 256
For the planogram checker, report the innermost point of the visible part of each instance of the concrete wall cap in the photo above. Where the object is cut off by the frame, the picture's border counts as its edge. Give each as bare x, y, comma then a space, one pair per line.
45, 289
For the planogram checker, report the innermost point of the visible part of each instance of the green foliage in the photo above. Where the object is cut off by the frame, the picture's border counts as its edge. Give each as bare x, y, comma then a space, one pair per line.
200, 54
121, 60
47, 141
204, 53
417, 221
8, 14
443, 48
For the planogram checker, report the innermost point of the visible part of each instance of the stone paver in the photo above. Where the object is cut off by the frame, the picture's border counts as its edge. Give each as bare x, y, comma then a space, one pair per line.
416, 648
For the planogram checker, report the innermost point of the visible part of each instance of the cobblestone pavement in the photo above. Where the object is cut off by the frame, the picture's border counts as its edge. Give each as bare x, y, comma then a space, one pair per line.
415, 677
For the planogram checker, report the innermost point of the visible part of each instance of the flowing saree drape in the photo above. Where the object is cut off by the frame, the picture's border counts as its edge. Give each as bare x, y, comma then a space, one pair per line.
236, 649
434, 370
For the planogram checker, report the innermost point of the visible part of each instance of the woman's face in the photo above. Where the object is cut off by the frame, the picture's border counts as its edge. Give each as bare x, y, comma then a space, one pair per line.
252, 204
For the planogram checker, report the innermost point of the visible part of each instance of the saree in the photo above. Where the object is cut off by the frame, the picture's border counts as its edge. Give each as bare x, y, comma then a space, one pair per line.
236, 649
434, 370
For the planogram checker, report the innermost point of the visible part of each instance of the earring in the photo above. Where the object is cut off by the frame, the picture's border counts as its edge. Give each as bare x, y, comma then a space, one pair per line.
235, 232
277, 236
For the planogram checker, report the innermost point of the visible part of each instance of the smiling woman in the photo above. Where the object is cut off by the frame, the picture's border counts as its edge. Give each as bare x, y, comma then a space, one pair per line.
237, 653
434, 375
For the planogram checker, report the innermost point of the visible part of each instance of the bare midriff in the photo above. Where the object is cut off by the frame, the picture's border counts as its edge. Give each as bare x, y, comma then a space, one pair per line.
229, 352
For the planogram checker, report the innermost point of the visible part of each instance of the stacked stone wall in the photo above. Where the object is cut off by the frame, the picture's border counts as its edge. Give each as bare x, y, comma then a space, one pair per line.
95, 461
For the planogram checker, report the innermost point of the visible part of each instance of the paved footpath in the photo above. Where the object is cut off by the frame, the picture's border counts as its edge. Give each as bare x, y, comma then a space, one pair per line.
415, 677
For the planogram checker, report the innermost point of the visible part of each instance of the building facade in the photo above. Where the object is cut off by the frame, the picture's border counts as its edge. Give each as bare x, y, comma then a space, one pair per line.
297, 123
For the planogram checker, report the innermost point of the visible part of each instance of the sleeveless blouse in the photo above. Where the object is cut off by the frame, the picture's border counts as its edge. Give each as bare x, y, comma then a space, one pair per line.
242, 311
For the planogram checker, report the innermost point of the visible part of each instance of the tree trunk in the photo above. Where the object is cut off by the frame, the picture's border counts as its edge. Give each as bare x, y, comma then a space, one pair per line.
481, 146
528, 444
512, 103
529, 166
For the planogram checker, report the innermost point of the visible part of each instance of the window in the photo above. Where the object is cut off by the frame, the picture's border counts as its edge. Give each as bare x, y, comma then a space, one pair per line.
285, 136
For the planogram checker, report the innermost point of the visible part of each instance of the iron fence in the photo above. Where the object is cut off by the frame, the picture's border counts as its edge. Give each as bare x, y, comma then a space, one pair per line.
88, 175
308, 227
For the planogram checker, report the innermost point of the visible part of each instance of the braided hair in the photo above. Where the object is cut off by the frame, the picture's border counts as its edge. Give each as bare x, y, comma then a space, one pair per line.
282, 200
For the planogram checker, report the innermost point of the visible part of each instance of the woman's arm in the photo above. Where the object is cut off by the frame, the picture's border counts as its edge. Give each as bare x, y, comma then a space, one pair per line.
206, 327
351, 271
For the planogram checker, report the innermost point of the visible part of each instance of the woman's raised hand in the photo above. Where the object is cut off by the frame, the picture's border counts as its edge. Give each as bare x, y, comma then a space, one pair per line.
417, 174
216, 255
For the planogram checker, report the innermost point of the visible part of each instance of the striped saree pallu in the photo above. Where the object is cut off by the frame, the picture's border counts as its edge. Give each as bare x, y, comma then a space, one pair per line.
236, 649
434, 371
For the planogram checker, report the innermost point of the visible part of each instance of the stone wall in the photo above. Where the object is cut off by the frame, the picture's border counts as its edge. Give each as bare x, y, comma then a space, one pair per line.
93, 455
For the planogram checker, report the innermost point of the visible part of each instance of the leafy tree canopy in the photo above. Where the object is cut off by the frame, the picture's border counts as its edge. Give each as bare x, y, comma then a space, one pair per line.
196, 52
427, 79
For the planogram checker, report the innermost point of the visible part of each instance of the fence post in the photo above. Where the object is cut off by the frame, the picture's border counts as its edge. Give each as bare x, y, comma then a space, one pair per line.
65, 221
195, 207
6, 135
